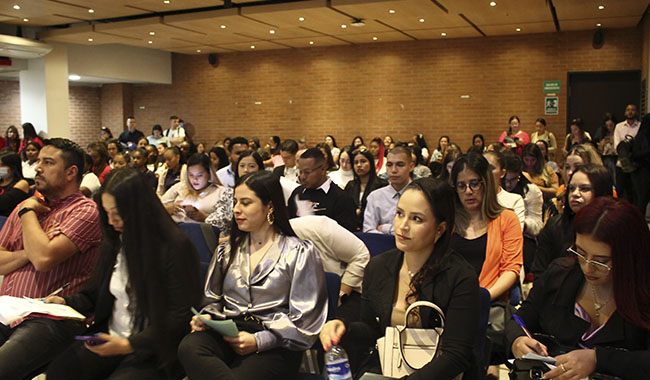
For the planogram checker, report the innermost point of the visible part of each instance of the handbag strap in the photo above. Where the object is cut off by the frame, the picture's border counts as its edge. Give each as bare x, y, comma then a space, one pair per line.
427, 304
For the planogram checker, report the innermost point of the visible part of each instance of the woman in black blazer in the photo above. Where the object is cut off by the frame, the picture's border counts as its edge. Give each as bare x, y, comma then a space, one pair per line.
422, 268
146, 279
364, 182
596, 305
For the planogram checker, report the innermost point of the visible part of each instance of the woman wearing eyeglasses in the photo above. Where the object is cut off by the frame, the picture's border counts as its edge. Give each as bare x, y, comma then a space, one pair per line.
585, 184
487, 235
594, 305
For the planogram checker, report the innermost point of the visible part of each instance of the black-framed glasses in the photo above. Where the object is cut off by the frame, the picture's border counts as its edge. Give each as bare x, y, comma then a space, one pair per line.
597, 265
512, 180
474, 185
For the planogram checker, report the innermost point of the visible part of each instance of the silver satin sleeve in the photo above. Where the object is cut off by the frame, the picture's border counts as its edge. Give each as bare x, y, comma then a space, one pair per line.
287, 291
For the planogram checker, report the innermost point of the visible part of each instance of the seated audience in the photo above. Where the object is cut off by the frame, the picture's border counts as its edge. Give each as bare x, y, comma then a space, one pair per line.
577, 136
89, 181
331, 143
595, 304
365, 182
155, 163
175, 133
129, 137
514, 202
418, 140
422, 268
269, 282
121, 160
13, 188
288, 152
146, 280
142, 142
99, 154
605, 143
439, 153
113, 147
29, 157
196, 197
218, 158
542, 134
538, 172
543, 146
139, 162
317, 196
479, 141
344, 174
105, 134
448, 163
389, 143
380, 210
249, 161
44, 245
171, 173
376, 148
227, 174
357, 142
578, 155
514, 138
156, 138
421, 169
12, 138
331, 166
585, 184
29, 135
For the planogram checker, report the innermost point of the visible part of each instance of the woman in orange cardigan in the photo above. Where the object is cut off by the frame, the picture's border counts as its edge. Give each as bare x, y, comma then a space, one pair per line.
486, 234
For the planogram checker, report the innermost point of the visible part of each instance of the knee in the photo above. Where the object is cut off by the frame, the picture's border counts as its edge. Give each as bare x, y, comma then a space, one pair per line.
188, 348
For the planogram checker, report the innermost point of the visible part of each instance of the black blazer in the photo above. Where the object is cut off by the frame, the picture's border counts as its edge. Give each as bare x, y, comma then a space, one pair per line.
353, 189
183, 280
552, 242
549, 309
454, 289
278, 171
336, 204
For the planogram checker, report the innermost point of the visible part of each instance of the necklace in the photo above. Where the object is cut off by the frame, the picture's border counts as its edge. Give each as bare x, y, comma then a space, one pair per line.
597, 305
411, 274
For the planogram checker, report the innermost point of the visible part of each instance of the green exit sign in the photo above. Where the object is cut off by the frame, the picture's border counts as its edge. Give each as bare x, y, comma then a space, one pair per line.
552, 86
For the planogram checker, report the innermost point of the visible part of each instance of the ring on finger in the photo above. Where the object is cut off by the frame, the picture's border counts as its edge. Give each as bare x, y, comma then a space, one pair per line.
563, 367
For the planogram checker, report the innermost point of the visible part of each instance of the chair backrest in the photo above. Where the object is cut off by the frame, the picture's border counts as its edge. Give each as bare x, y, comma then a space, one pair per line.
484, 316
204, 242
333, 289
376, 243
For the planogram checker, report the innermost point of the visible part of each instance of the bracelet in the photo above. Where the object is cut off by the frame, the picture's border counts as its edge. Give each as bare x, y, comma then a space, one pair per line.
25, 210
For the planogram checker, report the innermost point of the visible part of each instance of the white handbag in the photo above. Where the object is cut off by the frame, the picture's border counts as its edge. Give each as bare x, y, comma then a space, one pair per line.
404, 350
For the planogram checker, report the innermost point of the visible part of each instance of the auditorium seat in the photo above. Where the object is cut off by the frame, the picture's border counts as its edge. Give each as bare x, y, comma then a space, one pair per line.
376, 243
205, 239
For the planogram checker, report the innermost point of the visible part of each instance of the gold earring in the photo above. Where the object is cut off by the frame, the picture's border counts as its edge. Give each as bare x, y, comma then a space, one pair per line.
270, 217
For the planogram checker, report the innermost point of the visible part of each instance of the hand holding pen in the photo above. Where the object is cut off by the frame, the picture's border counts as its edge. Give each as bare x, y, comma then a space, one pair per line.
526, 344
53, 298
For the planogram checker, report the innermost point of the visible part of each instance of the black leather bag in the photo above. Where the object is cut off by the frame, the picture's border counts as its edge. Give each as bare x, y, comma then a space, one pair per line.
527, 369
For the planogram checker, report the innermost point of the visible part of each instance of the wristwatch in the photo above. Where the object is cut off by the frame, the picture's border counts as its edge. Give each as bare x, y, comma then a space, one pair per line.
25, 210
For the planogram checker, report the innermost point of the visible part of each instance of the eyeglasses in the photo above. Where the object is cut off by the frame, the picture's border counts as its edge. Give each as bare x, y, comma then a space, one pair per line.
512, 180
582, 188
473, 184
582, 259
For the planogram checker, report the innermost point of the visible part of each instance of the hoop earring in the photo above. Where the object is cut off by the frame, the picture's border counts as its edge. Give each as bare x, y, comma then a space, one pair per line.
270, 217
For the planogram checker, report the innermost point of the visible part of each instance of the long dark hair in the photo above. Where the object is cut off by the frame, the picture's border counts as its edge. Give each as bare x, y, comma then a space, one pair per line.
620, 225
441, 198
533, 150
513, 164
148, 232
256, 157
266, 187
29, 132
372, 175
221, 154
328, 153
600, 180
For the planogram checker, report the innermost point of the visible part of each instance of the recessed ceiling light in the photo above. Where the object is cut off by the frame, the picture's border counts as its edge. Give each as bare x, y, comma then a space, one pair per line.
91, 11
152, 33
198, 50
601, 7
223, 27
271, 31
421, 20
301, 19
375, 38
391, 11
149, 42
90, 40
343, 26
252, 46
26, 20
166, 1
443, 34
599, 25
518, 30
311, 42
16, 6
74, 77
493, 3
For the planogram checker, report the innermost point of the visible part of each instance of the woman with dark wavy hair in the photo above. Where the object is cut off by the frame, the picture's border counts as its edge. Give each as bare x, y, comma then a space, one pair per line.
594, 303
146, 279
422, 268
364, 182
269, 282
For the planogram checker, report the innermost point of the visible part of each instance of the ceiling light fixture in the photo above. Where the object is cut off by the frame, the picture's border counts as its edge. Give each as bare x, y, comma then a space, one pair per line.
152, 33
166, 1
518, 30
223, 27
311, 42
443, 34
150, 42
599, 25
343, 26
198, 50
91, 11
601, 7
90, 40
271, 31
16, 6
421, 20
252, 46
391, 11
493, 3
375, 38
74, 77
26, 20
301, 19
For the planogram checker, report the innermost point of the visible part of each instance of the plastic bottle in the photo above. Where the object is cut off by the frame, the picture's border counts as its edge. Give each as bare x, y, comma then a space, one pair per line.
338, 367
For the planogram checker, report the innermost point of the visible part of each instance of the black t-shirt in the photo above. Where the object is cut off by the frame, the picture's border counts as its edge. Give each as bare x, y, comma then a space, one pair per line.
473, 250
127, 137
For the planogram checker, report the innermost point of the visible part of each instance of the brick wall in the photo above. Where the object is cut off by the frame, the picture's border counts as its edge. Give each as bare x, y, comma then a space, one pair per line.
377, 89
9, 105
85, 114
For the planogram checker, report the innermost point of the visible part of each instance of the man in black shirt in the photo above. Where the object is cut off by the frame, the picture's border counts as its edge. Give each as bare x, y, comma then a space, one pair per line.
131, 136
317, 195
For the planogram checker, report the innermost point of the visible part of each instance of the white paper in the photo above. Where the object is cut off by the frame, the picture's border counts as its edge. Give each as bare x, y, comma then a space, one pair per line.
14, 308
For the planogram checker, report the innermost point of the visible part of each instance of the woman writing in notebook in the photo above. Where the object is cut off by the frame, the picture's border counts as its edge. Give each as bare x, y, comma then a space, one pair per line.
596, 304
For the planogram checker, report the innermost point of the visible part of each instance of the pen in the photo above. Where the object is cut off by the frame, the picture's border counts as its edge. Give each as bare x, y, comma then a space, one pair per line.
522, 325
59, 290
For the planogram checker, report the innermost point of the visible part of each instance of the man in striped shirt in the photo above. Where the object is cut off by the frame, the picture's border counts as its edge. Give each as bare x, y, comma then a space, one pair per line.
46, 244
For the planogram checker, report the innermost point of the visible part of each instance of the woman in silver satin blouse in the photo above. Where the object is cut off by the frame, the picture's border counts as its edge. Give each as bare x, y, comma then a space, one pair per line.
269, 282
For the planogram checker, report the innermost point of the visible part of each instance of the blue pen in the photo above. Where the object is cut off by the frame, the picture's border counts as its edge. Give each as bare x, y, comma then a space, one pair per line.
522, 325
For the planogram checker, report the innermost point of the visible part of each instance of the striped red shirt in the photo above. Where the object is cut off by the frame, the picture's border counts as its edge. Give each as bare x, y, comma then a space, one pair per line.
78, 220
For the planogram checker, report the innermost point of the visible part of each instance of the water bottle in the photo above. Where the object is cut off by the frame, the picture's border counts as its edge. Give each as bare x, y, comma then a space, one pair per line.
338, 367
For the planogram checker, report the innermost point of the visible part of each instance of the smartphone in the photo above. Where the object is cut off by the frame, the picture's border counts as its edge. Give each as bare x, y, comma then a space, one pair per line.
91, 340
